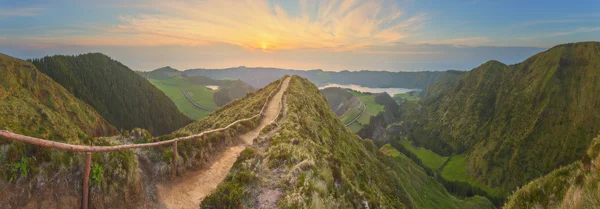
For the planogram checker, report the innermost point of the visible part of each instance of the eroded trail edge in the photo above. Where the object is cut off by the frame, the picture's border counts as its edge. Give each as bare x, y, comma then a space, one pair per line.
189, 190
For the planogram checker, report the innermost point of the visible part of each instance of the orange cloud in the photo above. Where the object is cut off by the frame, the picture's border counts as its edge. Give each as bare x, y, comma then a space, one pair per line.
255, 24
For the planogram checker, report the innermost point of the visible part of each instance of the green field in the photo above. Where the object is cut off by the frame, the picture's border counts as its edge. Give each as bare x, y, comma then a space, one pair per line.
456, 170
427, 189
351, 115
355, 127
372, 108
406, 96
199, 94
429, 158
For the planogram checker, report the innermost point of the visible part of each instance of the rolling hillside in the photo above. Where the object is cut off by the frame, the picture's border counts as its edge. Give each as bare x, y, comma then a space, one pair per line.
312, 161
121, 96
517, 122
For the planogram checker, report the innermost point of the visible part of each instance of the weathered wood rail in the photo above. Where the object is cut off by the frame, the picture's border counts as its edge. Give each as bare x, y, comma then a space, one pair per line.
4, 134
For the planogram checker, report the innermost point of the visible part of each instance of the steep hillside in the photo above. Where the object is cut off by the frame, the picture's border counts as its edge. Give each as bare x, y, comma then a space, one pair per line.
575, 186
517, 122
377, 125
32, 103
340, 100
259, 77
121, 96
311, 161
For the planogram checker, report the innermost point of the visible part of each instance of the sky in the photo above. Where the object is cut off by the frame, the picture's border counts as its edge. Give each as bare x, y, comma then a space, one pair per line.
332, 35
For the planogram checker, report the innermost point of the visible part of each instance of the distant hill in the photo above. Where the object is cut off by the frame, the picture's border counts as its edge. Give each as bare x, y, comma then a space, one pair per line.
313, 158
516, 122
259, 77
162, 73
121, 96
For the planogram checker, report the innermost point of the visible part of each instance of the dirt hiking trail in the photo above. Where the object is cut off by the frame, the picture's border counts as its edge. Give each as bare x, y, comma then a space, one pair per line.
193, 186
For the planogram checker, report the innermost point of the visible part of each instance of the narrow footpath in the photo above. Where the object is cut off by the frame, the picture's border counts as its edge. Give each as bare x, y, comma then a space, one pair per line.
189, 190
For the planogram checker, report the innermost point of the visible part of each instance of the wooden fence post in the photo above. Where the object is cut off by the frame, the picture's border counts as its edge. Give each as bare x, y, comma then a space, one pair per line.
175, 158
86, 180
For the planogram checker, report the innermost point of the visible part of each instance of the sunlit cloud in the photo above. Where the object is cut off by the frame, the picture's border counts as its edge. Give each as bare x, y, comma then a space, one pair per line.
257, 25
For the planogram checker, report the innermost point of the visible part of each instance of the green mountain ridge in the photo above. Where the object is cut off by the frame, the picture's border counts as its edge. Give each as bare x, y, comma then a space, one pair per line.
313, 161
516, 122
121, 96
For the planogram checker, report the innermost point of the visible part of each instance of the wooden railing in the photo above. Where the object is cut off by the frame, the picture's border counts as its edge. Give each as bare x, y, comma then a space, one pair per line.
90, 149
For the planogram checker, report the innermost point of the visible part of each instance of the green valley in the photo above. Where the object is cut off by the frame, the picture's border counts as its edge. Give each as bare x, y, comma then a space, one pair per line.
326, 166
192, 94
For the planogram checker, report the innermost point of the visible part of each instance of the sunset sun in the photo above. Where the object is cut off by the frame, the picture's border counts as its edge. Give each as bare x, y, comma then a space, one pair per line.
263, 45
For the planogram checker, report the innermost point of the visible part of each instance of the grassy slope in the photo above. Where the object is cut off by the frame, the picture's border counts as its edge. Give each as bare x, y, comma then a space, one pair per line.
317, 163
456, 170
351, 115
200, 94
121, 96
429, 158
575, 186
185, 106
33, 104
372, 110
406, 96
518, 122
431, 193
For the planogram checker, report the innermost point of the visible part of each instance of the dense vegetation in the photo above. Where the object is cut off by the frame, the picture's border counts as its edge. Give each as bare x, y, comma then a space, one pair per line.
32, 104
575, 186
121, 96
517, 122
259, 77
312, 161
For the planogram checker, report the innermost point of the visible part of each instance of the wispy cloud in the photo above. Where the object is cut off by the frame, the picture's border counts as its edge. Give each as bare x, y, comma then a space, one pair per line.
560, 33
21, 12
259, 25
